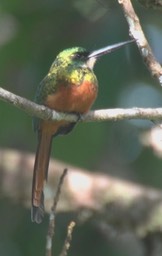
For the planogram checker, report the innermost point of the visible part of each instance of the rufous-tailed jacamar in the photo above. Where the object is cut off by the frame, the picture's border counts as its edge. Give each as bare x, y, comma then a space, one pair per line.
70, 86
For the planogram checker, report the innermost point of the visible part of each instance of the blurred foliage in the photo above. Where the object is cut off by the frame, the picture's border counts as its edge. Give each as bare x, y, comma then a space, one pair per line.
155, 4
31, 34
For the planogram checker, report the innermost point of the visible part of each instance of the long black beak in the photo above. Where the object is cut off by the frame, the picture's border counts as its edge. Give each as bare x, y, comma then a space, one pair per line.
108, 49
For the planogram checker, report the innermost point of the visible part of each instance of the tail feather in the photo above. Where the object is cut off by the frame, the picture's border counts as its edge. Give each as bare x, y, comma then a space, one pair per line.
40, 175
37, 213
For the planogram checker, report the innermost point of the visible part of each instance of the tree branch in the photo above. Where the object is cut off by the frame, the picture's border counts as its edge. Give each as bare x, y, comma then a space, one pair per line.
101, 195
34, 109
137, 33
45, 113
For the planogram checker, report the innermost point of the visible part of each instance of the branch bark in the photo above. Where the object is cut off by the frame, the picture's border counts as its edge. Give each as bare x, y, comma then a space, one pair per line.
45, 113
109, 199
136, 32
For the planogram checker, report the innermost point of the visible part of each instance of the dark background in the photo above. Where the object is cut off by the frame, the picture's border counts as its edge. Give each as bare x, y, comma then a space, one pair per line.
31, 35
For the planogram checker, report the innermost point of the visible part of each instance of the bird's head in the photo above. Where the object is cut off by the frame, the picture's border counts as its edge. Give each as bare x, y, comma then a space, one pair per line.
80, 57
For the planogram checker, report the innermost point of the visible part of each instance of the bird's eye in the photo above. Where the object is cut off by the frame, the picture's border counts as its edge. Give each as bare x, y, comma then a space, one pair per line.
80, 55
77, 56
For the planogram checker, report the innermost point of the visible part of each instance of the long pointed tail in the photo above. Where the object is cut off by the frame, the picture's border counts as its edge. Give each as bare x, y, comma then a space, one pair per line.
39, 175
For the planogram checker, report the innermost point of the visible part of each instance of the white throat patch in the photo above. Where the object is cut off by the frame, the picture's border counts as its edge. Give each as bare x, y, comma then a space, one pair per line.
90, 62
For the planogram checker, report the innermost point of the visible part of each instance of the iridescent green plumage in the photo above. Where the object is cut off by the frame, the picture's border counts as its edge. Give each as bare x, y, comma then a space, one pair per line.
68, 69
70, 86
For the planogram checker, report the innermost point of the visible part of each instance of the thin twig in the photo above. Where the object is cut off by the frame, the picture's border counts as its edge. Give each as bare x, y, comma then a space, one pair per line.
137, 33
51, 227
123, 114
68, 239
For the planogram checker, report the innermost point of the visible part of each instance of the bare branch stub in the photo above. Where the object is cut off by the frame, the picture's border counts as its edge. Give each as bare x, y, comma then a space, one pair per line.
68, 239
51, 226
135, 31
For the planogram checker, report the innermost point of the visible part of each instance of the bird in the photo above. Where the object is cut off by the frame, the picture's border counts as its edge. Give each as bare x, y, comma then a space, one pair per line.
70, 86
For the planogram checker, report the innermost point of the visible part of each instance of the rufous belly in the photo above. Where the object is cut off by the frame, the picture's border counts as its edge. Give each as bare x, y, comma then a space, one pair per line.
73, 98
